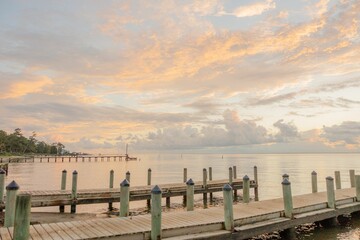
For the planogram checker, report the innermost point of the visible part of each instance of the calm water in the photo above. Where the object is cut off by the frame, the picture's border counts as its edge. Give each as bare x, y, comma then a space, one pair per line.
168, 168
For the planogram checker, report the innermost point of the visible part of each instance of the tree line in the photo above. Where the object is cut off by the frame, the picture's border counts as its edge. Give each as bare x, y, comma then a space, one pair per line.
16, 143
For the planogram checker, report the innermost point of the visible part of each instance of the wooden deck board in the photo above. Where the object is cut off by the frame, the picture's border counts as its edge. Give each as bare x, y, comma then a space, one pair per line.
78, 231
60, 231
69, 231
42, 232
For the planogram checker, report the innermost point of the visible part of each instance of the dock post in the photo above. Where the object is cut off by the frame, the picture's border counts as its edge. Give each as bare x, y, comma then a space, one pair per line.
287, 196
205, 187
111, 185
190, 195
127, 176
256, 189
246, 189
22, 217
357, 184
228, 208
184, 180
314, 182
235, 177
2, 186
148, 183
124, 198
210, 179
156, 213
337, 180
63, 187
330, 192
285, 175
74, 192
230, 176
11, 191
352, 178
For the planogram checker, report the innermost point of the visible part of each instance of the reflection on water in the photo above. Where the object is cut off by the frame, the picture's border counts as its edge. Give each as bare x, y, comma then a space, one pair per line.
168, 168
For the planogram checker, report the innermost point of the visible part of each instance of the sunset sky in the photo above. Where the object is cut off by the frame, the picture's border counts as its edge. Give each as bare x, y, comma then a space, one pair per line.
253, 76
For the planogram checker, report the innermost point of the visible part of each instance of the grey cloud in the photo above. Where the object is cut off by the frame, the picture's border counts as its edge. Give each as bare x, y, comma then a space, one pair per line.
288, 132
347, 132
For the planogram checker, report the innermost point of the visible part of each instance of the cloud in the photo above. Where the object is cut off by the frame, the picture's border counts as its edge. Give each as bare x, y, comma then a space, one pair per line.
346, 133
254, 9
288, 132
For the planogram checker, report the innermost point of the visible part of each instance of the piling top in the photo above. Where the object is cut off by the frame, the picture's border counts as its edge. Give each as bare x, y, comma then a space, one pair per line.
230, 168
246, 178
156, 190
285, 175
127, 172
204, 169
2, 171
75, 172
227, 187
12, 186
255, 166
149, 169
285, 182
313, 173
64, 171
329, 178
190, 182
112, 171
125, 183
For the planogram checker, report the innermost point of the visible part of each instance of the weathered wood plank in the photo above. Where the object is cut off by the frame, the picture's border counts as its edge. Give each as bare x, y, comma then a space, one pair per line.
42, 232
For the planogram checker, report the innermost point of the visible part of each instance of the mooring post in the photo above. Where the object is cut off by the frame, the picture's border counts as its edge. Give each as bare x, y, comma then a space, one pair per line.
127, 176
148, 183
330, 192
124, 198
337, 180
230, 176
74, 192
156, 213
285, 175
228, 207
256, 189
22, 217
287, 197
190, 195
357, 185
2, 185
111, 185
210, 179
352, 178
63, 187
205, 187
246, 189
184, 179
235, 177
11, 191
314, 182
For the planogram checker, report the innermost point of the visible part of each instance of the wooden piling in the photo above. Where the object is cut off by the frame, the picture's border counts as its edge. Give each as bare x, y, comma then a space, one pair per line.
256, 189
190, 195
246, 189
148, 183
287, 197
230, 176
314, 182
74, 192
357, 186
111, 185
228, 208
11, 191
156, 195
235, 177
210, 179
330, 192
127, 176
337, 180
205, 188
22, 217
124, 198
2, 185
352, 178
63, 187
184, 180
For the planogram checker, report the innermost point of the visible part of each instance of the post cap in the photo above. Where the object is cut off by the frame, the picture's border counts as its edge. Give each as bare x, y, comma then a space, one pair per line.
285, 182
246, 177
127, 172
75, 172
227, 187
111, 170
230, 168
125, 183
255, 166
2, 171
190, 182
156, 190
64, 171
149, 169
285, 175
329, 178
204, 169
313, 173
12, 186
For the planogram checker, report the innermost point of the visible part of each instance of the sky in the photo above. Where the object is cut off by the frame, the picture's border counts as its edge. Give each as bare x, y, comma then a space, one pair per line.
259, 76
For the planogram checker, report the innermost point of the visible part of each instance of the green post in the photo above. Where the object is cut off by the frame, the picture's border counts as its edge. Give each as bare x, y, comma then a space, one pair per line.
246, 189
124, 198
352, 178
111, 185
234, 170
256, 189
22, 217
205, 187
235, 177
210, 179
330, 192
11, 191
184, 180
314, 182
337, 180
357, 185
228, 208
2, 185
63, 187
148, 183
190, 195
127, 176
74, 192
156, 213
287, 197
230, 176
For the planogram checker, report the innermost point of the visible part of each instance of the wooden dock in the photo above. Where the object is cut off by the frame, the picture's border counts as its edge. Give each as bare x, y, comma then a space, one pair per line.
250, 219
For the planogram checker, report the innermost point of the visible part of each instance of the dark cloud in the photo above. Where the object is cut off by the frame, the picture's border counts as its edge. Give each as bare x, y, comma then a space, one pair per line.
346, 133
